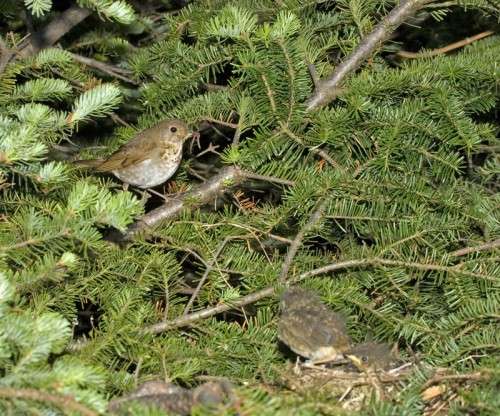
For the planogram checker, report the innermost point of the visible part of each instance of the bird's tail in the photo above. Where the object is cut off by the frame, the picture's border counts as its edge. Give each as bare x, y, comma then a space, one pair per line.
90, 163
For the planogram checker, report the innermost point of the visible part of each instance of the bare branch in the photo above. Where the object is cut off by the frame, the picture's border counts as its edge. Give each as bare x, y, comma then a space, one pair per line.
328, 88
208, 269
5, 55
55, 30
438, 378
63, 402
448, 48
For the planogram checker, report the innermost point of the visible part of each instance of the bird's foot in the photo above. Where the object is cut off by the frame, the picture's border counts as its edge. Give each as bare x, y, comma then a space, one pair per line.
195, 138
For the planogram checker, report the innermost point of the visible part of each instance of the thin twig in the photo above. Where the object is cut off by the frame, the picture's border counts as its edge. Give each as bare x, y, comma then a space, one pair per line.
297, 241
320, 152
328, 88
445, 49
208, 269
66, 404
208, 312
111, 70
482, 247
272, 179
438, 378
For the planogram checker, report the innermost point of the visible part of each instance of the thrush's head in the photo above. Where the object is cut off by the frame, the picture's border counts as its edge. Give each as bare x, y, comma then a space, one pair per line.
173, 131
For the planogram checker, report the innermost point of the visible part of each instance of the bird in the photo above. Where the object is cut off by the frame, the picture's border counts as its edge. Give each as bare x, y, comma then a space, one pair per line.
311, 329
371, 355
150, 158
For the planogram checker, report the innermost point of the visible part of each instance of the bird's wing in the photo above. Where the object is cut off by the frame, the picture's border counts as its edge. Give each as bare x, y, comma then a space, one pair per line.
131, 153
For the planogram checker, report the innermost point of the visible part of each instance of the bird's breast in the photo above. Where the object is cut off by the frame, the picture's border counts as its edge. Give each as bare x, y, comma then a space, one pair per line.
149, 172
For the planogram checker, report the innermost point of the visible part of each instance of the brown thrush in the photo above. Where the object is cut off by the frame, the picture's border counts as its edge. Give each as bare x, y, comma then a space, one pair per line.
150, 158
311, 329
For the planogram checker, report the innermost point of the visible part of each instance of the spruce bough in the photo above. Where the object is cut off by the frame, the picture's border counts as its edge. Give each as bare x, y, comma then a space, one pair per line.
401, 168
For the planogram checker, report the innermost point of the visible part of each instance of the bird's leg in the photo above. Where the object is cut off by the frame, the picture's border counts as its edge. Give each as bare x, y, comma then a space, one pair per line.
194, 173
153, 192
125, 186
324, 355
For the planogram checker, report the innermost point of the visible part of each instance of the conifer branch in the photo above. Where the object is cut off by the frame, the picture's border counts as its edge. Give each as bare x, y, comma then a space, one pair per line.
445, 49
297, 241
202, 194
271, 290
111, 70
328, 89
319, 152
482, 247
65, 403
55, 30
209, 267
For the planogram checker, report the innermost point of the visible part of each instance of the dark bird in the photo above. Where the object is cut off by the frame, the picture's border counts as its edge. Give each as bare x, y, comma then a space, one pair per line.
311, 329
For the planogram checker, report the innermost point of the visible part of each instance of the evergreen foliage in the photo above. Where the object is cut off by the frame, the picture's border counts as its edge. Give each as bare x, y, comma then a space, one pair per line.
413, 179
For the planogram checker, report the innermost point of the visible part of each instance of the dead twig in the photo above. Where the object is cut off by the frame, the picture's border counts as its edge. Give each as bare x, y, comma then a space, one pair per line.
445, 49
438, 378
66, 404
328, 88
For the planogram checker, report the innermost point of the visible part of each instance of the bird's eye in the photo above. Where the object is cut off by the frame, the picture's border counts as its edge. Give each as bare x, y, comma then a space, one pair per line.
173, 129
364, 358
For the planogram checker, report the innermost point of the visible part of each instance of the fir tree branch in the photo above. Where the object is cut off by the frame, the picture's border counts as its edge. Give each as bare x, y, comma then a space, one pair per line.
297, 241
208, 312
328, 89
271, 290
202, 194
209, 267
482, 247
65, 403
55, 30
319, 152
445, 49
111, 70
